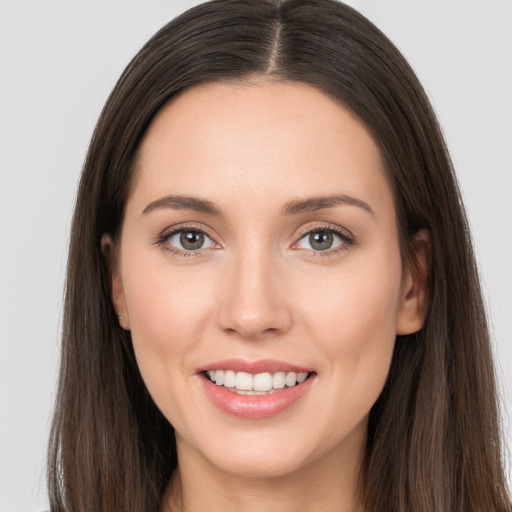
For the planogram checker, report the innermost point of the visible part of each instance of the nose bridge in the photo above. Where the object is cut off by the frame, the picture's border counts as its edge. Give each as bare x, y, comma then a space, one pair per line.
253, 302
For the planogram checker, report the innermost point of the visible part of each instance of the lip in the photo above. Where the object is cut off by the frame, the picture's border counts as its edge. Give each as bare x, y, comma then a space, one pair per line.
255, 406
263, 365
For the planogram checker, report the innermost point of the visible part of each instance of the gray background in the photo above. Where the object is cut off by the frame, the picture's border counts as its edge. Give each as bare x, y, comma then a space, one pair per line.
58, 62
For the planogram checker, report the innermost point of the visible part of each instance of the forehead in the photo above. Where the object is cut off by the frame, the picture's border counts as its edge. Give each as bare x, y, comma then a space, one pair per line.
245, 140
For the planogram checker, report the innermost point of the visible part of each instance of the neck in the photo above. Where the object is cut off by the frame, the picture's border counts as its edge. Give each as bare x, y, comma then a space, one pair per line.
326, 484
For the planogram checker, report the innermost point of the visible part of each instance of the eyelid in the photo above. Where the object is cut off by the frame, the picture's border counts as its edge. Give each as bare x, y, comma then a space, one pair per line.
167, 233
190, 226
346, 236
321, 226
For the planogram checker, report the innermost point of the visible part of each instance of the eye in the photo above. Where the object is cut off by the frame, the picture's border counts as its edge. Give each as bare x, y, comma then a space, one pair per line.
324, 239
187, 240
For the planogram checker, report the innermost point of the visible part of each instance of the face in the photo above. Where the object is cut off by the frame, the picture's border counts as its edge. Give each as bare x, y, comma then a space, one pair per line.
260, 250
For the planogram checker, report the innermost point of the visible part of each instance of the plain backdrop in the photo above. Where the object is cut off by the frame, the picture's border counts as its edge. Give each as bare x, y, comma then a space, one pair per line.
58, 62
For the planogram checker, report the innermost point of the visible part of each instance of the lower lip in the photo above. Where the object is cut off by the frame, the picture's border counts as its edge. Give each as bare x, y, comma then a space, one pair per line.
255, 406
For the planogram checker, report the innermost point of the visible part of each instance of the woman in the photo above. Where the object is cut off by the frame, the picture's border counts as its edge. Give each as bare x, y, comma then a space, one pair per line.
272, 301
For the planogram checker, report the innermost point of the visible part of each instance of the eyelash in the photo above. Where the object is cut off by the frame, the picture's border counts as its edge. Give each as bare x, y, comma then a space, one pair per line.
347, 240
164, 237
346, 237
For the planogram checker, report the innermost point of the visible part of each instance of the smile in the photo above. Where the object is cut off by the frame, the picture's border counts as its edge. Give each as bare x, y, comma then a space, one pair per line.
265, 383
254, 390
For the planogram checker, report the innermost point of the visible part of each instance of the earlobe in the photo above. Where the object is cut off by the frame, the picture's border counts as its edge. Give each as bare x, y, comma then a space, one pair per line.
414, 291
116, 286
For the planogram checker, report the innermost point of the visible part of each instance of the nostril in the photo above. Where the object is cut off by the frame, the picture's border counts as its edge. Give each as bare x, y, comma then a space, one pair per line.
253, 311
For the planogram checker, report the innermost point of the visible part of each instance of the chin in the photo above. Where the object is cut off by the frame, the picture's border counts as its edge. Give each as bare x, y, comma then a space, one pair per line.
263, 454
261, 465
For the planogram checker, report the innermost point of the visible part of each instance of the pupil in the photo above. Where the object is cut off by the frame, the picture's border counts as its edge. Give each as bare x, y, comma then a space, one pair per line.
321, 240
191, 240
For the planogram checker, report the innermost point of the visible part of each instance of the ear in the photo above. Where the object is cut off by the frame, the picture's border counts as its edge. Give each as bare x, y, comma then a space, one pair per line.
116, 286
414, 290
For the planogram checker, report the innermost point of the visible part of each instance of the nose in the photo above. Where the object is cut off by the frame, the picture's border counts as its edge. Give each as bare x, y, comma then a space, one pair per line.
253, 304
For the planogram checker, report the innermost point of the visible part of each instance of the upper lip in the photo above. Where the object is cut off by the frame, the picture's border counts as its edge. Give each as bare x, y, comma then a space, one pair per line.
260, 366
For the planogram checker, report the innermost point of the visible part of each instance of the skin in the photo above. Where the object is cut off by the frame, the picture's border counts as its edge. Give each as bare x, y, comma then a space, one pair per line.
258, 289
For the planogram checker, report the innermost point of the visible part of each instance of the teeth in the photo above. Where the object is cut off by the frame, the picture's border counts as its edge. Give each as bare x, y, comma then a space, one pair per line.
301, 377
291, 379
219, 377
243, 381
229, 379
279, 380
260, 383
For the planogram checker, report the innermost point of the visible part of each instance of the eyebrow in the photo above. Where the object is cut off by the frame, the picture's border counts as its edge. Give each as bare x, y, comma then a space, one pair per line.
180, 202
295, 207
311, 204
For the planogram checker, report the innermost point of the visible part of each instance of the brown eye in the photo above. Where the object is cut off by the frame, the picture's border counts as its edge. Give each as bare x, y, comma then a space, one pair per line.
321, 240
188, 240
191, 240
324, 240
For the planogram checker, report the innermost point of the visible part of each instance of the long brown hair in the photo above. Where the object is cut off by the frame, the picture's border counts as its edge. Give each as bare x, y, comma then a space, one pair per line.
433, 438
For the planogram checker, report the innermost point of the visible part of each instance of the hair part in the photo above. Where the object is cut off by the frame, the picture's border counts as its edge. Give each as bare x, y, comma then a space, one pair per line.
433, 435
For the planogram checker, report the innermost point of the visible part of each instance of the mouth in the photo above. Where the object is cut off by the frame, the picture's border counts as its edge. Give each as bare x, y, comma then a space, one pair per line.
259, 384
254, 390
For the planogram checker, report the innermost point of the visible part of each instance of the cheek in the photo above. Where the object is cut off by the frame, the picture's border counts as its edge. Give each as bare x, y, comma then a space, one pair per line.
166, 307
351, 315
161, 311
